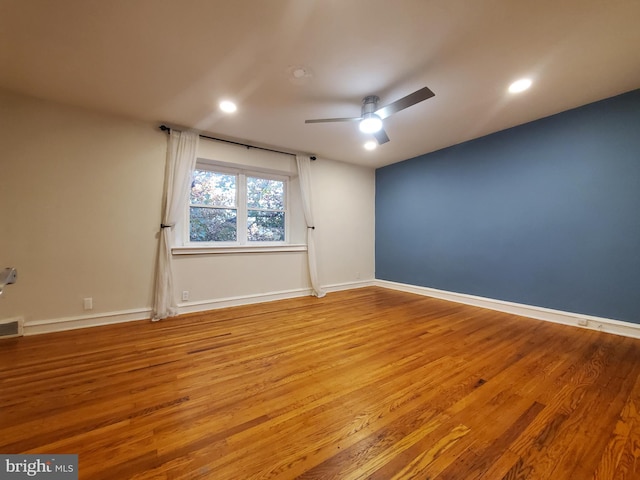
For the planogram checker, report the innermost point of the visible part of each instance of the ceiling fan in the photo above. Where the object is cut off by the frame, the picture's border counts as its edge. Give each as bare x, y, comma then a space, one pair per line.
372, 115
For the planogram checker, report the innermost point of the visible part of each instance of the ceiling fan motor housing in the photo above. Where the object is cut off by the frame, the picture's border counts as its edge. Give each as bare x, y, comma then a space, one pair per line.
370, 123
369, 104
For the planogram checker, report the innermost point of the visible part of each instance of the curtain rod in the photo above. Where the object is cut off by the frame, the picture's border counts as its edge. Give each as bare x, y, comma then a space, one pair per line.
164, 128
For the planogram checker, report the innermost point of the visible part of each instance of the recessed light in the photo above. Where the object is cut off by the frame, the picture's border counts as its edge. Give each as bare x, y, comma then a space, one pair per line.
228, 106
520, 85
370, 145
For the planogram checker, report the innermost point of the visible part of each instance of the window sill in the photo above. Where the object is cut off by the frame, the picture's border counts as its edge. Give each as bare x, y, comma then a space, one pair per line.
213, 250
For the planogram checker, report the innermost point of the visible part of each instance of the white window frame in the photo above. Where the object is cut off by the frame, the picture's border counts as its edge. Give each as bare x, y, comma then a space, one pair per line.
242, 244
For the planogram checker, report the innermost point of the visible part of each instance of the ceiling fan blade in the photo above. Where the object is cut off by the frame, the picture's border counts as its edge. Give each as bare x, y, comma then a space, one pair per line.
411, 99
381, 136
325, 120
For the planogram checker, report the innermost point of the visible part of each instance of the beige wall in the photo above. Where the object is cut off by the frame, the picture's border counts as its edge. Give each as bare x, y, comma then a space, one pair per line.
344, 205
80, 197
79, 209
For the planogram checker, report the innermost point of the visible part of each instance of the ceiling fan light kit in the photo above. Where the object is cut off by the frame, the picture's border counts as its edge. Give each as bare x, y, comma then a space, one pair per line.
370, 123
370, 119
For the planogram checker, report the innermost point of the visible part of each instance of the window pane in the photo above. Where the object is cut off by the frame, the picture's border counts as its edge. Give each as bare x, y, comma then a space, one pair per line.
265, 226
212, 225
265, 194
212, 188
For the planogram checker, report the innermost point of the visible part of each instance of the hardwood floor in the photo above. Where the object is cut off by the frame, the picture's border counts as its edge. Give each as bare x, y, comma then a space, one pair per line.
367, 383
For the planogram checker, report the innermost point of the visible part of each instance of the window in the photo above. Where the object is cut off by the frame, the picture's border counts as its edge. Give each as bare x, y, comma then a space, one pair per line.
229, 206
265, 210
213, 207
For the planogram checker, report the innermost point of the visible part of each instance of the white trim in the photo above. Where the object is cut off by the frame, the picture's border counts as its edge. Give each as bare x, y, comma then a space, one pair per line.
217, 303
607, 325
338, 287
214, 304
215, 250
211, 164
34, 327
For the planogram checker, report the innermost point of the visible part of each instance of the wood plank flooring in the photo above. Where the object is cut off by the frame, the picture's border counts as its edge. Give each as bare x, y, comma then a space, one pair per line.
367, 383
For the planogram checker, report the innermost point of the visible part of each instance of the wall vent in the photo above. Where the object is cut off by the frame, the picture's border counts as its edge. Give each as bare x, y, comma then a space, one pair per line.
12, 327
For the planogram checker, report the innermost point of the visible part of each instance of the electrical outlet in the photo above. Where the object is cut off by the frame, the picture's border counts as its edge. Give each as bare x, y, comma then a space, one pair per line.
88, 303
185, 295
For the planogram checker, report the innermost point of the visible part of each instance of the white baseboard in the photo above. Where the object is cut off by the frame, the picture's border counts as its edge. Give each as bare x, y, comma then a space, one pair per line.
557, 316
607, 325
214, 304
34, 327
338, 287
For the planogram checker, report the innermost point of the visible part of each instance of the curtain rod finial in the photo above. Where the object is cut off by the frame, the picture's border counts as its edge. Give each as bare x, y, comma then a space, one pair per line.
312, 157
164, 128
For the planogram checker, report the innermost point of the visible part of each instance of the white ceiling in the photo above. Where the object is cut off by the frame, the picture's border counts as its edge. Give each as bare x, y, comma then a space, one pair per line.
172, 61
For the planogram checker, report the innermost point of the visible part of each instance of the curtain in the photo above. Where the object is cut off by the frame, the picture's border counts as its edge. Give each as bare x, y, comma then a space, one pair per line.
181, 160
304, 172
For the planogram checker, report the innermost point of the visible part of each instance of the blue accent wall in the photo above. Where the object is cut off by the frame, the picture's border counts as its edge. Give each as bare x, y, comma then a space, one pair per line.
545, 214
